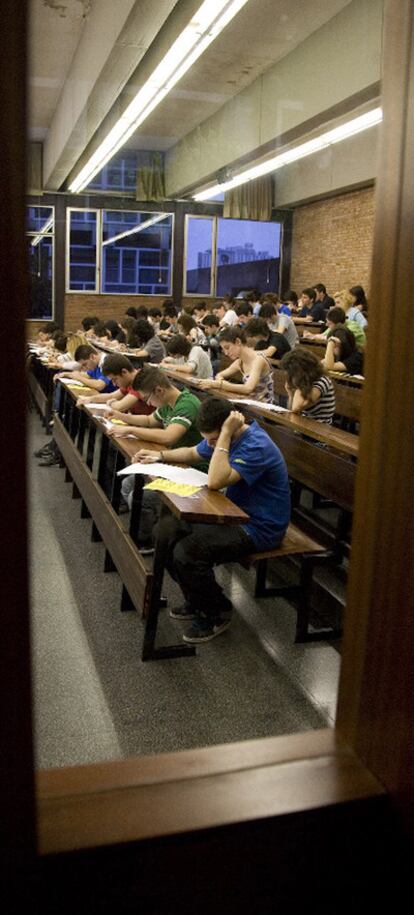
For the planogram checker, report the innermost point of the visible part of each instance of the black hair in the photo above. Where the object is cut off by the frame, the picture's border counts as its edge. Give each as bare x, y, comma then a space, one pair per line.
318, 287
347, 341
131, 311
149, 379
258, 327
200, 306
302, 368
336, 315
360, 296
100, 330
89, 322
84, 351
186, 322
154, 311
143, 330
290, 296
170, 311
213, 413
211, 321
310, 292
142, 311
113, 327
244, 308
61, 343
231, 334
115, 363
267, 311
179, 346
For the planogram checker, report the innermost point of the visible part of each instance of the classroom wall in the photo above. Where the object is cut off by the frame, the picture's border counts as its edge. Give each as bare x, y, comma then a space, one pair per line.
332, 242
78, 305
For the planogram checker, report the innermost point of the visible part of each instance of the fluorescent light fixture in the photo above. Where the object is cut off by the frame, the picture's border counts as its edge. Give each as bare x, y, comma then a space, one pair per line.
47, 226
138, 228
209, 20
349, 129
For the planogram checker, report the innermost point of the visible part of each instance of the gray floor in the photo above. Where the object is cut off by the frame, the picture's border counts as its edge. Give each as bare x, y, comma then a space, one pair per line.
95, 699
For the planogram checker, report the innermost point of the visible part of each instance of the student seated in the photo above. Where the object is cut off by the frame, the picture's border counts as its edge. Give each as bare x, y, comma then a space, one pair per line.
342, 354
188, 358
131, 312
310, 391
289, 304
257, 374
226, 315
244, 459
353, 313
359, 299
154, 317
335, 316
211, 328
45, 334
322, 297
168, 325
192, 331
244, 312
200, 311
101, 333
60, 357
91, 372
88, 325
150, 348
270, 343
280, 323
124, 398
115, 332
311, 309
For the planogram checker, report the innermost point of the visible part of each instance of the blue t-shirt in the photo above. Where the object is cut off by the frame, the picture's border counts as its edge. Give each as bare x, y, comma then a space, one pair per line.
263, 490
285, 310
98, 375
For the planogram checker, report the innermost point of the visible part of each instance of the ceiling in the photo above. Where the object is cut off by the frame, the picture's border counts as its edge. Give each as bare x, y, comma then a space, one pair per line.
262, 33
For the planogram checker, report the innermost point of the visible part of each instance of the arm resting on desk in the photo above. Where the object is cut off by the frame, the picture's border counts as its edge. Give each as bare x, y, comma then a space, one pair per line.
169, 456
96, 383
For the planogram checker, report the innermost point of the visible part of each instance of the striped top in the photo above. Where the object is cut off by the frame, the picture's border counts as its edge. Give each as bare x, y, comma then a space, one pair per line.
264, 391
324, 408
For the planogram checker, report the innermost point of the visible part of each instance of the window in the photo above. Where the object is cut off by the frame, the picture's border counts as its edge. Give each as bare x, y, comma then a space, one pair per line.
136, 253
40, 250
83, 250
120, 174
131, 251
231, 255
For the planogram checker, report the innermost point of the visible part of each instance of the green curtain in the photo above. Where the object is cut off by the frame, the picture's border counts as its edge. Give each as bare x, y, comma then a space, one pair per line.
252, 200
151, 180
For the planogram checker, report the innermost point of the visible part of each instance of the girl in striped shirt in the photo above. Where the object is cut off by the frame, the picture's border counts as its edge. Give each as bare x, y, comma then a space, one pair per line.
310, 391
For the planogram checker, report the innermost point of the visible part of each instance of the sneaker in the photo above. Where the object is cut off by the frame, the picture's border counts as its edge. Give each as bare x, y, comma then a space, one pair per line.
183, 613
49, 460
146, 548
41, 452
204, 630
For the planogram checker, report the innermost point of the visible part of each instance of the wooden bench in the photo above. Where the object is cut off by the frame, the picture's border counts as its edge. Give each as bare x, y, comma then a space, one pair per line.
294, 543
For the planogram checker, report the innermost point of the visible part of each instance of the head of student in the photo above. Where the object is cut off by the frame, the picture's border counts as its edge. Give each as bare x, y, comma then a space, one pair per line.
131, 312
200, 310
186, 323
320, 291
88, 357
60, 342
154, 314
302, 369
359, 298
268, 312
308, 297
45, 333
335, 316
232, 340
211, 324
170, 313
219, 310
100, 331
143, 331
344, 299
113, 328
213, 413
244, 312
179, 346
346, 344
89, 322
256, 331
291, 298
119, 369
154, 386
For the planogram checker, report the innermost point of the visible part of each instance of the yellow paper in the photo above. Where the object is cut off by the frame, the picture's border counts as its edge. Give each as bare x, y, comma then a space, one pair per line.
78, 387
117, 422
177, 489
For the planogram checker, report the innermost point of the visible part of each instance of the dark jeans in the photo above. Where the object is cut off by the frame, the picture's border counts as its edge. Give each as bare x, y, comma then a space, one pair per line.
193, 551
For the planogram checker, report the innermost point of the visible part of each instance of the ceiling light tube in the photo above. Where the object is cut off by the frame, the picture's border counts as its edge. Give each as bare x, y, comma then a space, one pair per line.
137, 228
48, 225
349, 129
207, 23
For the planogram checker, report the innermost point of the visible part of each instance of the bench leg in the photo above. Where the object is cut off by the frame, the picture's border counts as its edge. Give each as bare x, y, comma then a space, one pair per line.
68, 476
126, 602
95, 535
75, 492
305, 588
85, 513
261, 572
109, 565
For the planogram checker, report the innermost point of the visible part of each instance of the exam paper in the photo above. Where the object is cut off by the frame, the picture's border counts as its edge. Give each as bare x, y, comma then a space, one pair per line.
73, 382
258, 403
187, 475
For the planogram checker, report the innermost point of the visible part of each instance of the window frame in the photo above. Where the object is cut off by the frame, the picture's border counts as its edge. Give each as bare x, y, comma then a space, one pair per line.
143, 294
52, 235
69, 211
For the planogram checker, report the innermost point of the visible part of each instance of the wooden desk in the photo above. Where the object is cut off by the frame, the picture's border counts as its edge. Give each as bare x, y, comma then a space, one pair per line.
77, 427
315, 327
40, 381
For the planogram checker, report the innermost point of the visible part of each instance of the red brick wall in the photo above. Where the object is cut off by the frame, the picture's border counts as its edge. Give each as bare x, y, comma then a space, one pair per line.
332, 242
78, 305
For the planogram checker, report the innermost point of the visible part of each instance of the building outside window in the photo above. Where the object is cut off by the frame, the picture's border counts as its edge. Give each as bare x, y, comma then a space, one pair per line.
227, 256
82, 267
136, 253
40, 225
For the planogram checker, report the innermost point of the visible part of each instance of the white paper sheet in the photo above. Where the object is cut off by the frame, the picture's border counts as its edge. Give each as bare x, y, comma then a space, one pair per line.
258, 403
96, 406
168, 472
74, 381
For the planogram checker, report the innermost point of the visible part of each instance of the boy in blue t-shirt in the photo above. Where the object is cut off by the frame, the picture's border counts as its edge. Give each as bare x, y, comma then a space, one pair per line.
92, 375
244, 460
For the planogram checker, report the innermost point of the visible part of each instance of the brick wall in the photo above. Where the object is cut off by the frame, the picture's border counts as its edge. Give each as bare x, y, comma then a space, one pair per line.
77, 306
332, 242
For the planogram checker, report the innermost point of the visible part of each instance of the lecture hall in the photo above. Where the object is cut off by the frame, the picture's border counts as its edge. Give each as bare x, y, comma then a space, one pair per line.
206, 488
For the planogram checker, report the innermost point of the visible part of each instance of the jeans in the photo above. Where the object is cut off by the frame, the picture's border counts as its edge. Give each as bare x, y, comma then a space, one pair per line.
150, 508
193, 551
